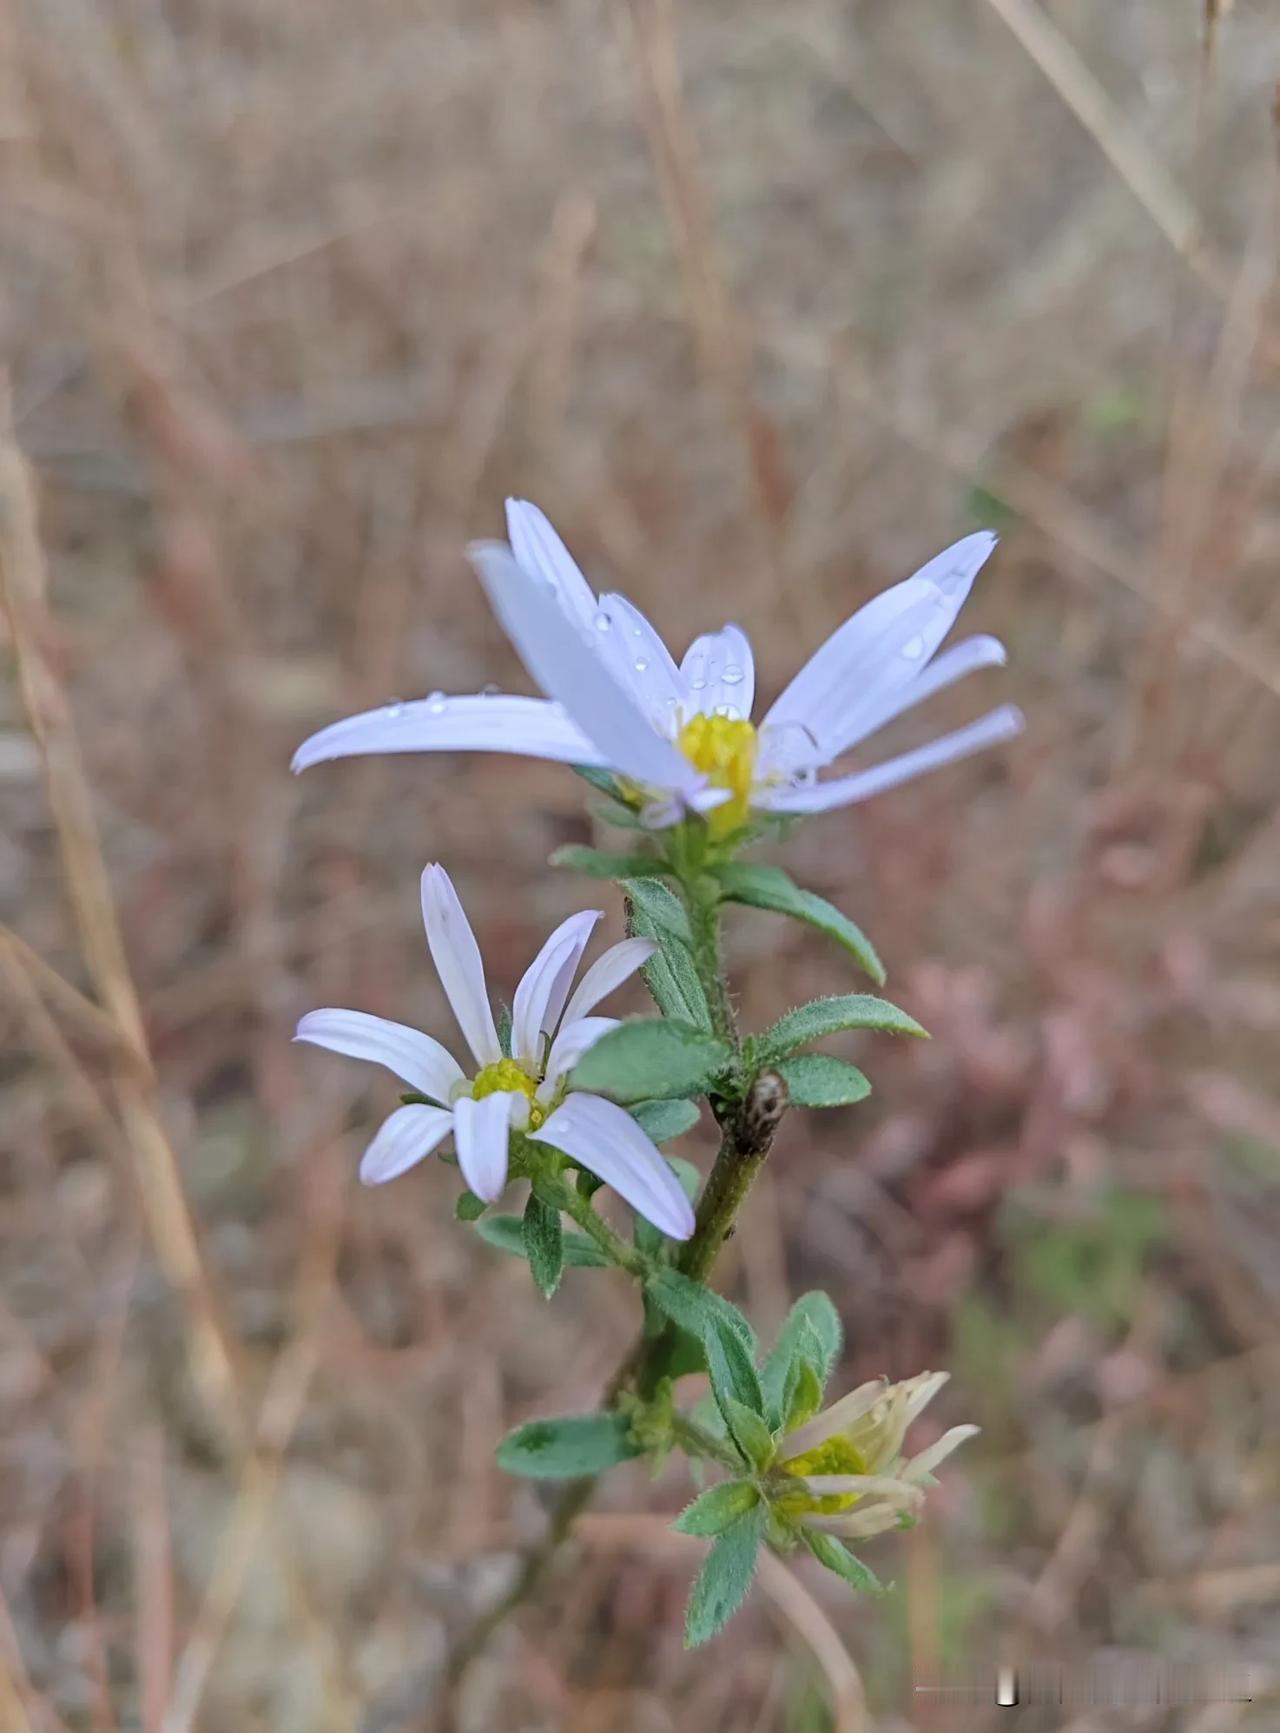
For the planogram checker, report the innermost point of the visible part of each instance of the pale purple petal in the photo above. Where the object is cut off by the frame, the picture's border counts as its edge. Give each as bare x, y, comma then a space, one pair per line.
540, 551
608, 1142
545, 985
640, 661
525, 727
672, 808
402, 1140
569, 1046
884, 645
837, 1418
570, 669
936, 1454
412, 1056
719, 672
990, 730
458, 964
480, 1135
608, 971
785, 751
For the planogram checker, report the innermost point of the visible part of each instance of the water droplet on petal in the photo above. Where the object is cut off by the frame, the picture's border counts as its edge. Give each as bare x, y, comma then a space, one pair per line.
603, 622
394, 708
490, 691
436, 704
732, 675
728, 711
641, 664
637, 631
699, 685
913, 649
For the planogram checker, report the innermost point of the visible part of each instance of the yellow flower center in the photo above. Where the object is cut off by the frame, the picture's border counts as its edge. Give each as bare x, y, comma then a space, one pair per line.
724, 749
506, 1076
834, 1456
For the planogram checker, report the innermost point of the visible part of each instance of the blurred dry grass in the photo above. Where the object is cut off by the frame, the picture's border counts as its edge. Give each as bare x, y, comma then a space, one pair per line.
764, 306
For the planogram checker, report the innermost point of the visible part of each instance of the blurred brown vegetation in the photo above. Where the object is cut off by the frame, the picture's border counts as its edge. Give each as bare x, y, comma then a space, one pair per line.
764, 305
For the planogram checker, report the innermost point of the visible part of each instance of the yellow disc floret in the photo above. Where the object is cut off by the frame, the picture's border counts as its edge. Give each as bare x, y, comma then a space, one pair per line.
835, 1456
506, 1075
724, 749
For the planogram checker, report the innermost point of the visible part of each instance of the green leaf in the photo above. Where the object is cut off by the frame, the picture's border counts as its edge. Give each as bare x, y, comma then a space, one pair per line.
724, 1579
664, 1120
713, 1510
469, 1207
766, 887
652, 1058
661, 907
543, 1244
506, 1234
735, 1382
596, 863
604, 781
813, 1332
837, 1557
621, 817
567, 1447
670, 976
821, 1017
697, 1309
819, 1080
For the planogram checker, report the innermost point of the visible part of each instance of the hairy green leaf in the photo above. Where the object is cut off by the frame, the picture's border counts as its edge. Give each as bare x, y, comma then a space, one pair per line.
543, 1244
652, 1058
749, 1432
724, 1579
654, 913
697, 1309
661, 907
713, 1510
597, 863
837, 1557
506, 1234
766, 887
665, 1120
735, 1384
819, 1080
821, 1017
567, 1447
802, 1395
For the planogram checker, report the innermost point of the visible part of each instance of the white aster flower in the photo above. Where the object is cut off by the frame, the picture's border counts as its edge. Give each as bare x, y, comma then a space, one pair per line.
683, 736
525, 1091
852, 1476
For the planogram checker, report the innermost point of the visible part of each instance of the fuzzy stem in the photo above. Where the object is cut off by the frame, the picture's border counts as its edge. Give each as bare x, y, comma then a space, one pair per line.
748, 1128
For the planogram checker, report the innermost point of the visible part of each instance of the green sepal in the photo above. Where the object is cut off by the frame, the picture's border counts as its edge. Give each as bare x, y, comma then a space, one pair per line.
812, 1331
567, 1447
767, 887
506, 1234
603, 781
819, 1080
802, 1394
836, 1557
722, 1583
822, 1017
502, 1022
713, 1510
543, 1240
662, 1121
468, 1207
598, 863
652, 1058
697, 1309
